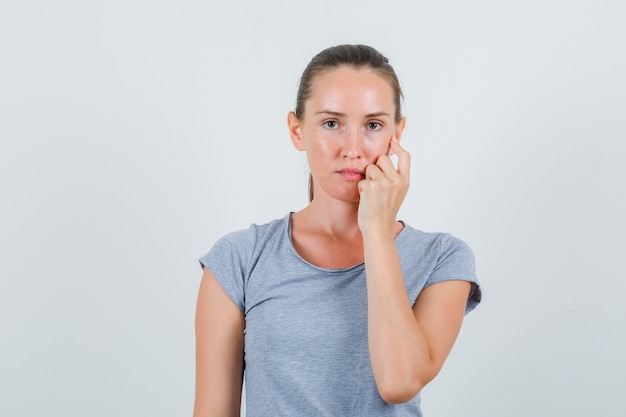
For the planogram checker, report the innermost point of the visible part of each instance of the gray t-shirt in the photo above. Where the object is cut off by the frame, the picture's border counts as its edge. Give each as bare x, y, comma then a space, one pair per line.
306, 351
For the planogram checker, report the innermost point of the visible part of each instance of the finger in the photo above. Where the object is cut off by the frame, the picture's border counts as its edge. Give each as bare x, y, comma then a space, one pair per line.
373, 172
385, 164
404, 157
362, 185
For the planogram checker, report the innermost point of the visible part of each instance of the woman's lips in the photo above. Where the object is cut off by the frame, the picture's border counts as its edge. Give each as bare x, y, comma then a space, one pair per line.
351, 174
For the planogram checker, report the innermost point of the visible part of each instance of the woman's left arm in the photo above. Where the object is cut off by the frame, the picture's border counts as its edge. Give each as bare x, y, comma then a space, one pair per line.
407, 345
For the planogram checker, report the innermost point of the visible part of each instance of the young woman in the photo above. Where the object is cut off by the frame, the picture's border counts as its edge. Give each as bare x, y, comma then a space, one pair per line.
338, 309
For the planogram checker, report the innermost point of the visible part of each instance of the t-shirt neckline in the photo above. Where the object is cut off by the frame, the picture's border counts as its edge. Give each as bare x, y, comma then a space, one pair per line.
360, 265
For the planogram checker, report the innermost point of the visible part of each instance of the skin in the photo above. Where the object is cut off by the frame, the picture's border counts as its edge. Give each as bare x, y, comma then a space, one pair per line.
347, 131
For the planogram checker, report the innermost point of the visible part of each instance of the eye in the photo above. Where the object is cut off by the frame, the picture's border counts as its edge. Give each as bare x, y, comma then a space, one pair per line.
374, 126
331, 124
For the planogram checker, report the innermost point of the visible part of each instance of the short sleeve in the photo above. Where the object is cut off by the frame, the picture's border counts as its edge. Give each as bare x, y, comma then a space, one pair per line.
228, 261
456, 262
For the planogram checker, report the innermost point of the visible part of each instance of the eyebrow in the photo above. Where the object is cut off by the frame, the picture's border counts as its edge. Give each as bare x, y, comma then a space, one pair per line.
339, 114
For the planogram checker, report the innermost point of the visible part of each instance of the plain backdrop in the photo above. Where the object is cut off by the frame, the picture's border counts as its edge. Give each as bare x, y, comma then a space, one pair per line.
133, 134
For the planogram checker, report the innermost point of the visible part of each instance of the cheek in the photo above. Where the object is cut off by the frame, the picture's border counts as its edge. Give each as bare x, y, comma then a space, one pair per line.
376, 145
319, 152
323, 143
320, 148
372, 153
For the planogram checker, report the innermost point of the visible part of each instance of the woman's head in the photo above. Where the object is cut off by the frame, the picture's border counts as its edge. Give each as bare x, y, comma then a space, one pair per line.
348, 103
355, 56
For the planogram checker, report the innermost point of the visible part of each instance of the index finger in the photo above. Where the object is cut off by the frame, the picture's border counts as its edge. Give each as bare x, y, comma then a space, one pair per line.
404, 157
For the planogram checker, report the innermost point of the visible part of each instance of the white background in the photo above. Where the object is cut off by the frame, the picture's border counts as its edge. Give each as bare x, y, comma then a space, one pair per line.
135, 133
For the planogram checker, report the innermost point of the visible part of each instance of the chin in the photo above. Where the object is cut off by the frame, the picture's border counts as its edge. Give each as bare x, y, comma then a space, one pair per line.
351, 196
348, 193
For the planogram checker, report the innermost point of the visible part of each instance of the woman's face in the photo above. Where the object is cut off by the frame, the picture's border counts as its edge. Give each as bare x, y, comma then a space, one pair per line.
347, 124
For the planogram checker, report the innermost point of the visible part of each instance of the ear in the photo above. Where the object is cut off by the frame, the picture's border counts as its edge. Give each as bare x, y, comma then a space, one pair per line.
294, 131
400, 129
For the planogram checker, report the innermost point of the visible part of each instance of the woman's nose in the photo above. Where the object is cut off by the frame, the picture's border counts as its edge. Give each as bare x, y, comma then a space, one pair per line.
352, 144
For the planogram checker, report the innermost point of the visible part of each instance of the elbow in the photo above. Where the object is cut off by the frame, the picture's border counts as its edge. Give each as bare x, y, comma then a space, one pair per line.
398, 391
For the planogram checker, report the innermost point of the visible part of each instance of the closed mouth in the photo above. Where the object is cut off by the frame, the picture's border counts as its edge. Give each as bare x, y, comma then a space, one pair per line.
351, 173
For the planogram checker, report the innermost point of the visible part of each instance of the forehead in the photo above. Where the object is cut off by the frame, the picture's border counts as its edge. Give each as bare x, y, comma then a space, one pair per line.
353, 87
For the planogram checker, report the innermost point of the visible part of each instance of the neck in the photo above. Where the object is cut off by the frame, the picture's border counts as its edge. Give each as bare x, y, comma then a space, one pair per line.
331, 217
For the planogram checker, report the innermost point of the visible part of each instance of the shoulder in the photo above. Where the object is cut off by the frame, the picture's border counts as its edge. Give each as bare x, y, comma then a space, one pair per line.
450, 245
433, 243
244, 242
436, 256
443, 257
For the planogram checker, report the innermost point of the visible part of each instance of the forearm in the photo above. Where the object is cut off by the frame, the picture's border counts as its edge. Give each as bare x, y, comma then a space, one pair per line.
399, 351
